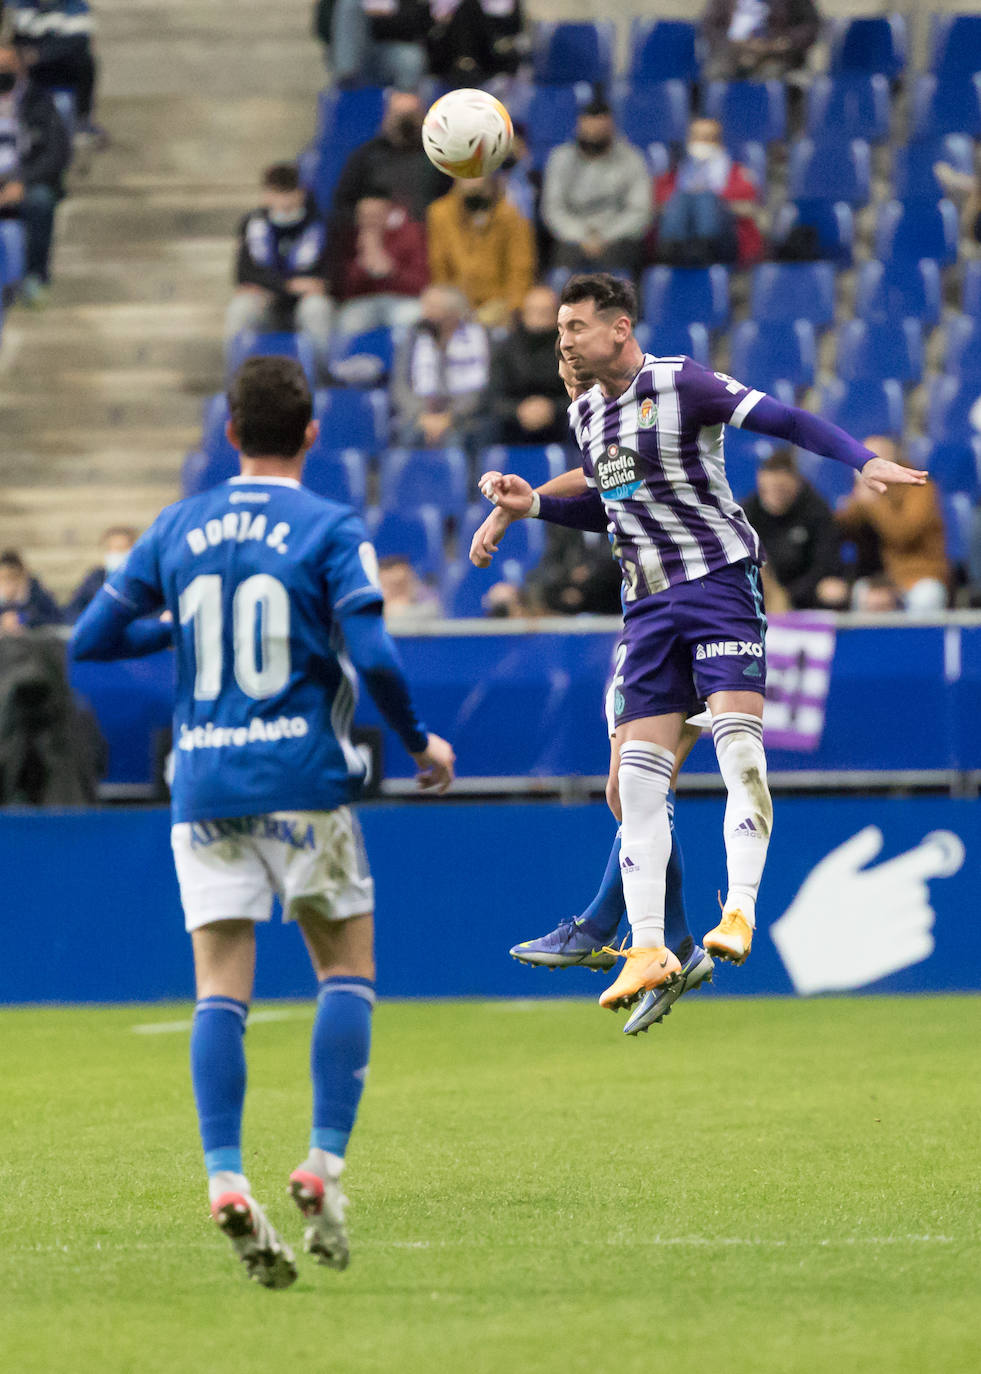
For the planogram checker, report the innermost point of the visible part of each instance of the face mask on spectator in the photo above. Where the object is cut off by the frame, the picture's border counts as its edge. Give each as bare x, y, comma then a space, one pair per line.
429, 327
700, 150
406, 131
285, 219
594, 147
476, 201
113, 560
8, 80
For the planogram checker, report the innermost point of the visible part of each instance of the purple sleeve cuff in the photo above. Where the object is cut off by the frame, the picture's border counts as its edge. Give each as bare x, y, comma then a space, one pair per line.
807, 431
583, 512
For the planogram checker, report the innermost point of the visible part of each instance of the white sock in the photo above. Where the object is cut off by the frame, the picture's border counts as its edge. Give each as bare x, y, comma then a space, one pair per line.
227, 1182
748, 821
645, 837
324, 1164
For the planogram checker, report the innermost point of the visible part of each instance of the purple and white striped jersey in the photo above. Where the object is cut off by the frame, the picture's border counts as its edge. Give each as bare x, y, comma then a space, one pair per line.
654, 456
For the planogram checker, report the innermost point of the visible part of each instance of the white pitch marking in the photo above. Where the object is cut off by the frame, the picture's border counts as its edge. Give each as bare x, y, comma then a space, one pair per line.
171, 1027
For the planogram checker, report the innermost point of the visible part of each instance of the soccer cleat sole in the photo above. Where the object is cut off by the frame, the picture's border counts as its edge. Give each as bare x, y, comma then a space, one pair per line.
598, 963
642, 1030
326, 1240
630, 999
728, 956
271, 1265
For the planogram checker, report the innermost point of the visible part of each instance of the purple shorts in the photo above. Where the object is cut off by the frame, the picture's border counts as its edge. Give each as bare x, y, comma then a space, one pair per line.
690, 640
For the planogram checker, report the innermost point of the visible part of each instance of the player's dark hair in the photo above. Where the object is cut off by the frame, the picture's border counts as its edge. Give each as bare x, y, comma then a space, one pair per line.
781, 461
282, 176
604, 290
270, 405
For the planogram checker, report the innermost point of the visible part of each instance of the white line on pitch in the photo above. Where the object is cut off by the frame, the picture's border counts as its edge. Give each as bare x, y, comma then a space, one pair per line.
171, 1027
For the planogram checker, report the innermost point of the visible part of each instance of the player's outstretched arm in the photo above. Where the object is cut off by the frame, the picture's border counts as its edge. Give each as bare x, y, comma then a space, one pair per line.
109, 629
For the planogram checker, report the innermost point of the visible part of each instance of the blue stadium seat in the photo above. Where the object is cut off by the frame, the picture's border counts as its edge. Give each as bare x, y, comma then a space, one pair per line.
362, 359
12, 250
955, 45
962, 351
672, 340
957, 509
864, 408
849, 106
873, 351
912, 171
874, 45
656, 112
213, 421
338, 474
465, 587
685, 295
351, 418
536, 463
830, 170
779, 352
954, 408
349, 116
416, 535
793, 291
971, 297
832, 221
832, 480
202, 471
946, 107
251, 343
552, 115
744, 451
663, 50
565, 53
419, 477
907, 233
755, 110
898, 291
955, 465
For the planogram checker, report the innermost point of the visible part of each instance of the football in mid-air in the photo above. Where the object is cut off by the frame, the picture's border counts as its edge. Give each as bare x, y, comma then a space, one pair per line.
467, 133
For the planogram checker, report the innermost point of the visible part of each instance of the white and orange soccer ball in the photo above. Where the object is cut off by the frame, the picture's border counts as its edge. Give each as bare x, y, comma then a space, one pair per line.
467, 133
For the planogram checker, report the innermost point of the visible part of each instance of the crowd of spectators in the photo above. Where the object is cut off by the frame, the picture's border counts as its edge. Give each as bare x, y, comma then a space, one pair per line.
27, 604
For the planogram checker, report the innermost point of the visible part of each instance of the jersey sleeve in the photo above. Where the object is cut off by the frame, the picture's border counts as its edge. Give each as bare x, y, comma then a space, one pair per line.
351, 567
138, 585
712, 398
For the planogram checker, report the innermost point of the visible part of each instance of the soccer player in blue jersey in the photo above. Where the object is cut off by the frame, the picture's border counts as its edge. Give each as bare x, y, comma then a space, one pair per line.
276, 610
650, 431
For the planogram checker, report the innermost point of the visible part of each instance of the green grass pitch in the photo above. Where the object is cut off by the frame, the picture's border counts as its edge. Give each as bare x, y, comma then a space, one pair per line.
758, 1186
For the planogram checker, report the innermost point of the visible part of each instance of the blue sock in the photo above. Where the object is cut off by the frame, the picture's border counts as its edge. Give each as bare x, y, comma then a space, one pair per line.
604, 913
677, 936
339, 1059
218, 1075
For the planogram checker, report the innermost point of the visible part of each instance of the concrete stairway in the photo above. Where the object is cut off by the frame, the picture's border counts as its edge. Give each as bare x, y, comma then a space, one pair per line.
100, 394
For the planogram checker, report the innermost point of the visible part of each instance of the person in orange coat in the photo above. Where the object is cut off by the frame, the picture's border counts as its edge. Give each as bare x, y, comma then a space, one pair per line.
479, 243
910, 526
707, 204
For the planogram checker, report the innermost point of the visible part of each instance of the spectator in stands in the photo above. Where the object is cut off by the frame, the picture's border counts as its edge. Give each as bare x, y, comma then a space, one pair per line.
24, 603
380, 267
55, 41
527, 400
577, 576
505, 601
596, 197
909, 523
281, 268
756, 40
473, 41
964, 189
374, 42
798, 532
479, 243
393, 158
877, 595
34, 153
407, 598
115, 544
707, 204
441, 372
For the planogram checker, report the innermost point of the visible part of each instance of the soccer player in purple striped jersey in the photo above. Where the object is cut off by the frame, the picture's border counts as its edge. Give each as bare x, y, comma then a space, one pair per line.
650, 431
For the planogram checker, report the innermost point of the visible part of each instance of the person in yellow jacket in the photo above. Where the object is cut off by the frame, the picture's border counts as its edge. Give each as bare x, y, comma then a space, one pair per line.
481, 244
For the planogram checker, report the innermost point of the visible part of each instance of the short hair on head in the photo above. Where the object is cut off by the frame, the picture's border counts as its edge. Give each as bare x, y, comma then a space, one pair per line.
781, 461
10, 558
596, 107
282, 176
270, 405
394, 560
606, 291
129, 532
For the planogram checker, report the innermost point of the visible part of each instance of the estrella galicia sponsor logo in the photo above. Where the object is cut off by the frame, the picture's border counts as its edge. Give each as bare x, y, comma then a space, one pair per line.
729, 648
618, 473
647, 413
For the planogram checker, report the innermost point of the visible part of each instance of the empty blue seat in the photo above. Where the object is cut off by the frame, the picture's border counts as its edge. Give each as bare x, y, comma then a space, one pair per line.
213, 421
655, 112
663, 50
351, 418
958, 515
349, 116
907, 233
793, 291
685, 295
831, 170
898, 291
12, 250
416, 535
962, 351
671, 340
864, 408
971, 297
465, 587
854, 105
869, 45
251, 343
955, 465
574, 52
777, 352
873, 351
954, 408
338, 474
834, 481
913, 177
536, 463
362, 359
413, 478
955, 45
552, 115
201, 471
754, 110
950, 106
744, 451
832, 221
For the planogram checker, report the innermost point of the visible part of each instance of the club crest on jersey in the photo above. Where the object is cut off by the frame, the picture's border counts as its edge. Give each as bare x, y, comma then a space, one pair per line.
618, 473
647, 413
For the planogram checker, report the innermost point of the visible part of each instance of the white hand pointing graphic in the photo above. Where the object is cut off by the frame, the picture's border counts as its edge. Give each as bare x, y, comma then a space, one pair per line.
850, 925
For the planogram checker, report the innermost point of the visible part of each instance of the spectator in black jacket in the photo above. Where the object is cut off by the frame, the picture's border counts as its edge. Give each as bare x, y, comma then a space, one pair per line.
394, 158
758, 40
55, 40
34, 153
282, 263
375, 42
24, 603
115, 543
528, 401
472, 41
799, 535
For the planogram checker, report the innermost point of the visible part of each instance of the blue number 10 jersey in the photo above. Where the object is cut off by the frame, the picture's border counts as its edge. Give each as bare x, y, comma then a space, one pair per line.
258, 574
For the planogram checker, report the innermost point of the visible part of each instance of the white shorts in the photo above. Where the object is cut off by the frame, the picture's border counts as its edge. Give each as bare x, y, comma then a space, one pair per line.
313, 861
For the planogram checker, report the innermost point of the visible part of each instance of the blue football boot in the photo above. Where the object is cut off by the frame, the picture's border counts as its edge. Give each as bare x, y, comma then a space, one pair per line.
569, 945
696, 969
